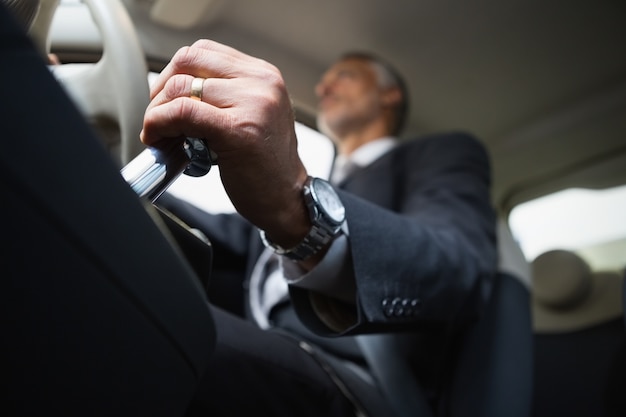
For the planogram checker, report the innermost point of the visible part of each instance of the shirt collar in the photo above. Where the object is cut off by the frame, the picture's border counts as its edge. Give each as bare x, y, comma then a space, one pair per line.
371, 151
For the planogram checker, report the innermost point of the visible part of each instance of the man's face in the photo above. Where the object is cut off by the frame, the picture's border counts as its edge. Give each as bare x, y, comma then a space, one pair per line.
349, 97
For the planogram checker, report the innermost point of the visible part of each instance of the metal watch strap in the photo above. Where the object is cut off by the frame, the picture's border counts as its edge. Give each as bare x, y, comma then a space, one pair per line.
320, 234
312, 243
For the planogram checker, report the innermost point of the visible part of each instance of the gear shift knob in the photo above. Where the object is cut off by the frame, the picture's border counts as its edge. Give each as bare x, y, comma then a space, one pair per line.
154, 170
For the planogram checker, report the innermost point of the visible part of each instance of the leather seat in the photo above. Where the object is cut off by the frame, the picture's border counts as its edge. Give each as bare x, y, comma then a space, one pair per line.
101, 316
580, 341
494, 375
494, 367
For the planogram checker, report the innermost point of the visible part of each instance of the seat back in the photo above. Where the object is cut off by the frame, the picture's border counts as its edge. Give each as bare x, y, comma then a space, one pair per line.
493, 372
580, 341
101, 316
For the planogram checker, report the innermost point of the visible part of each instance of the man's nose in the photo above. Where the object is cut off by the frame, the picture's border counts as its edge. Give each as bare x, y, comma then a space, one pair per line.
325, 87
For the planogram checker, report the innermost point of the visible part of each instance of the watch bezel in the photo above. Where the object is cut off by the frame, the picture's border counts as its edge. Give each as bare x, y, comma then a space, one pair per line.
324, 226
319, 190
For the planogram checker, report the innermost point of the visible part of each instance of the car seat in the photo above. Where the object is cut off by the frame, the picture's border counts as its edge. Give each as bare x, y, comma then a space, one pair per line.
101, 314
580, 341
493, 373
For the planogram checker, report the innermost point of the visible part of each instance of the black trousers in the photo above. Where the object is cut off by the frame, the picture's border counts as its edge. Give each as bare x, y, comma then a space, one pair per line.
254, 372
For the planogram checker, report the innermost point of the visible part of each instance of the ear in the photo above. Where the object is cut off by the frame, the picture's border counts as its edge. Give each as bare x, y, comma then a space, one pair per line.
391, 97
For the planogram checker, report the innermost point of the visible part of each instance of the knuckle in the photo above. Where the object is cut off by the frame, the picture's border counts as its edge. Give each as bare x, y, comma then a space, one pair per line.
273, 76
182, 109
176, 86
184, 58
203, 43
272, 87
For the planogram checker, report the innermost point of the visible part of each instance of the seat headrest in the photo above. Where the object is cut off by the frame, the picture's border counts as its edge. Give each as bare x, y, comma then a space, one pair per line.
568, 296
24, 11
562, 279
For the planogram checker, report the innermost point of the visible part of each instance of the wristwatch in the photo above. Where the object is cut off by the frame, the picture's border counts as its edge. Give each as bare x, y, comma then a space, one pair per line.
327, 215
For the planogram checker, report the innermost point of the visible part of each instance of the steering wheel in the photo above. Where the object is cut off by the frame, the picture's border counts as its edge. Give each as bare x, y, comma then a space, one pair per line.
114, 90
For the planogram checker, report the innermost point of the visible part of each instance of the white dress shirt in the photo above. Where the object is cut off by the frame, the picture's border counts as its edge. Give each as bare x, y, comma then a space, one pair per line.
269, 284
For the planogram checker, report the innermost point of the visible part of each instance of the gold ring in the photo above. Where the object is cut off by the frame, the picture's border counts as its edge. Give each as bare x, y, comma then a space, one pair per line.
196, 89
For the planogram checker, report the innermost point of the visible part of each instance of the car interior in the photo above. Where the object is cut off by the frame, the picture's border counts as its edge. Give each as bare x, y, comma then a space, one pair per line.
95, 322
542, 85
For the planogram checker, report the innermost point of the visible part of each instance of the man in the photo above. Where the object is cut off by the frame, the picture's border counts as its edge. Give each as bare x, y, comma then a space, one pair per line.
415, 252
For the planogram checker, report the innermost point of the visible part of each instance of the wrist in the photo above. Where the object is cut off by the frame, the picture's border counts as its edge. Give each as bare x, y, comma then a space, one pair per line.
326, 215
292, 223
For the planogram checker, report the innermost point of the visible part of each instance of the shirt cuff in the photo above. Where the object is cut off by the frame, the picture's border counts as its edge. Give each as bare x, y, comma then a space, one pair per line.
333, 276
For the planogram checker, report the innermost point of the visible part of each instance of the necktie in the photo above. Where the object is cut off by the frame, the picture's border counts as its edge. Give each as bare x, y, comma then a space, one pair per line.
267, 287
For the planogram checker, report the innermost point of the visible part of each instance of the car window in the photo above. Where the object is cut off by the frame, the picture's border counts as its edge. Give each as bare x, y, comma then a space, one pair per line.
591, 223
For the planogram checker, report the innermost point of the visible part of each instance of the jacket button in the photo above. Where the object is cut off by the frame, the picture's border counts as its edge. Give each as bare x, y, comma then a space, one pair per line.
400, 307
387, 307
406, 307
415, 305
397, 307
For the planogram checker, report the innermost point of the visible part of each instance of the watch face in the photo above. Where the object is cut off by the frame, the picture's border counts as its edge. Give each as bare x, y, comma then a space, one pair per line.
328, 200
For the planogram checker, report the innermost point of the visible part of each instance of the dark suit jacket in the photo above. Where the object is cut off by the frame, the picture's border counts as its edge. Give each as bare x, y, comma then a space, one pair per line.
422, 237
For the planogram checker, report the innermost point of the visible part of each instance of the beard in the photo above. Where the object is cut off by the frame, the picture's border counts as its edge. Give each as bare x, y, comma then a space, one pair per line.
342, 117
339, 126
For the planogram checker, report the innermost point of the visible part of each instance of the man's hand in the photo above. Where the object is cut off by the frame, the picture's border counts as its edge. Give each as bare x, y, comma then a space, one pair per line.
246, 117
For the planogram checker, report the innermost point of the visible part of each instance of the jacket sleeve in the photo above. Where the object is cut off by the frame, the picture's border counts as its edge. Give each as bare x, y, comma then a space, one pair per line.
428, 260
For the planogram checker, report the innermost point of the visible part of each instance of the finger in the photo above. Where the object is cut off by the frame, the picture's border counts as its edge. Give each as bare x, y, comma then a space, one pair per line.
174, 87
216, 91
188, 60
202, 59
181, 117
208, 59
219, 48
